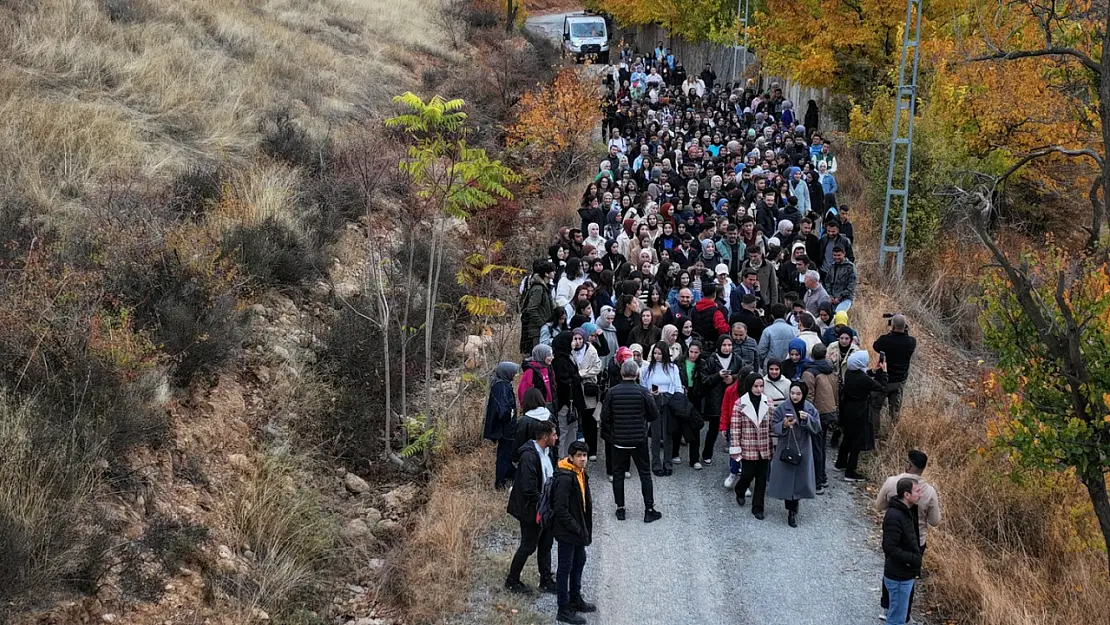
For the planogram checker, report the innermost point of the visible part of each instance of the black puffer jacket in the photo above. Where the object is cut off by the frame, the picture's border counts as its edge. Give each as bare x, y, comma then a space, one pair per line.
900, 543
573, 521
625, 414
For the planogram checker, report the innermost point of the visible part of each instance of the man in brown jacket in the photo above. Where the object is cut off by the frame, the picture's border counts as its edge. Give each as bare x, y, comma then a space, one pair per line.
823, 382
928, 507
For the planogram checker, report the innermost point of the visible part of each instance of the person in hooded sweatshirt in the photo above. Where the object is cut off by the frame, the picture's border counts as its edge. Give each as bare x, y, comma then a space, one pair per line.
572, 527
501, 422
535, 412
823, 383
795, 422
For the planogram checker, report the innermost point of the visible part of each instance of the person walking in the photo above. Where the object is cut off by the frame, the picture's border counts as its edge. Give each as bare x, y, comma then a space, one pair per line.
749, 442
855, 413
572, 524
898, 347
535, 469
901, 546
795, 422
661, 377
625, 414
501, 422
928, 510
824, 387
718, 371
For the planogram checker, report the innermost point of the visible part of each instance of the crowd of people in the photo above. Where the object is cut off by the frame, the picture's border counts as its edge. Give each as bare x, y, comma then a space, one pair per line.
703, 301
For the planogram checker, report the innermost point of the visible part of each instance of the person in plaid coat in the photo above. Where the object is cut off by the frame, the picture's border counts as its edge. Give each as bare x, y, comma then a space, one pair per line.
749, 441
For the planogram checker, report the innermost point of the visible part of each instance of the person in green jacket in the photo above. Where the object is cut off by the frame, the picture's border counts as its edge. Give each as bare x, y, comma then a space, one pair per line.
536, 305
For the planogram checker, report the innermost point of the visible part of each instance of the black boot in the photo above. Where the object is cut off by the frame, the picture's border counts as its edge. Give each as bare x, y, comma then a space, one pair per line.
517, 586
581, 605
549, 586
792, 518
568, 615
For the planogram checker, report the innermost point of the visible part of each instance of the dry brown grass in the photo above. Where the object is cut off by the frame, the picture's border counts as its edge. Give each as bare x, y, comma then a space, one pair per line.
141, 90
1007, 552
437, 561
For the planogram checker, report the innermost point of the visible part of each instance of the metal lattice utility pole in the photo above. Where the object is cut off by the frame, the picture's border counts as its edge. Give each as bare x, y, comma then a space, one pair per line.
741, 7
904, 101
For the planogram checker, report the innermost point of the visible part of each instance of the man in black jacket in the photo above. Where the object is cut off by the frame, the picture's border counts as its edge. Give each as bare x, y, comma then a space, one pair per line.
625, 414
902, 549
534, 470
572, 525
898, 347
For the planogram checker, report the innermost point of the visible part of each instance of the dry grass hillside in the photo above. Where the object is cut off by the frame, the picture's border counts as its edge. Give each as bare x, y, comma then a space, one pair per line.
92, 90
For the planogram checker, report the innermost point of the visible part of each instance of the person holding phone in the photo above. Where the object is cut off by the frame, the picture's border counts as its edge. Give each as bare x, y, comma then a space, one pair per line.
795, 422
662, 377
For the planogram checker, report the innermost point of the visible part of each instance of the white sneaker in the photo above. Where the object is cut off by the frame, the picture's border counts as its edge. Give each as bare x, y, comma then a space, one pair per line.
748, 493
610, 478
882, 615
697, 466
707, 461
730, 481
676, 460
593, 458
627, 474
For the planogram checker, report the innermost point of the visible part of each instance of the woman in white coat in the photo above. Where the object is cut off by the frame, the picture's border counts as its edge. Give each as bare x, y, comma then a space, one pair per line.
589, 367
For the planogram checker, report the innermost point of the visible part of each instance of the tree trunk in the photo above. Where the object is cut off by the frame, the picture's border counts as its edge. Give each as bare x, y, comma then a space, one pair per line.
429, 323
510, 16
1096, 489
409, 265
1104, 109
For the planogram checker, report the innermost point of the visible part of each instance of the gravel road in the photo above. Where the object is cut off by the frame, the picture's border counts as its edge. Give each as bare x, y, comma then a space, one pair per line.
710, 562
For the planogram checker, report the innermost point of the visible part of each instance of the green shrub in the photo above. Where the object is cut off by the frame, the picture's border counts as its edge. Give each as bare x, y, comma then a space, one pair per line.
273, 255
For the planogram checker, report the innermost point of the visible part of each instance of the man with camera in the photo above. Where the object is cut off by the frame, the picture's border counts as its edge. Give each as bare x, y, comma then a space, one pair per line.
896, 347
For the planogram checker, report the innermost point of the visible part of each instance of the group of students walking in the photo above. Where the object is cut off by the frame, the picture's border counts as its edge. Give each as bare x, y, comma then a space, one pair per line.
707, 288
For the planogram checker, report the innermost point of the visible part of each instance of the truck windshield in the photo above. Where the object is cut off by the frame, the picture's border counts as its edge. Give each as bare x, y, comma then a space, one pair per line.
587, 29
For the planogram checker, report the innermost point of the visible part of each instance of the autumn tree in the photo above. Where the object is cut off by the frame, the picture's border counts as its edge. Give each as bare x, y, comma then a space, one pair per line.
846, 45
554, 128
1047, 317
1061, 42
693, 20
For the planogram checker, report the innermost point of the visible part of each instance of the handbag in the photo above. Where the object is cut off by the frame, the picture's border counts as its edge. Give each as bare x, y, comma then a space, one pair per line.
591, 390
791, 453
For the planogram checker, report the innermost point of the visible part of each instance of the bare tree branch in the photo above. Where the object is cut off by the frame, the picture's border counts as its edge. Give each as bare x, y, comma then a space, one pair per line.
1002, 55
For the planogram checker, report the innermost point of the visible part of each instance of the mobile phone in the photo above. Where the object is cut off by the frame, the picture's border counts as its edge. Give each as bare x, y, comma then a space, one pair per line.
654, 388
882, 357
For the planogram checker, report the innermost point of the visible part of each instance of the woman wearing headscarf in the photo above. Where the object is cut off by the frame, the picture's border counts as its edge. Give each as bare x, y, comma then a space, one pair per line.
590, 369
612, 259
608, 335
777, 385
555, 324
795, 364
570, 404
718, 371
595, 239
842, 348
501, 423
749, 442
855, 413
795, 421
571, 280
537, 374
674, 346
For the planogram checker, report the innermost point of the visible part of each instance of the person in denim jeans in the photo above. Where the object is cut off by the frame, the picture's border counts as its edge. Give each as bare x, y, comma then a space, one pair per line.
902, 549
572, 526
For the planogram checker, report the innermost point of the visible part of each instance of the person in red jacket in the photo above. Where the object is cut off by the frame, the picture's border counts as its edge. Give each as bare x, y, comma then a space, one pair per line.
709, 318
732, 393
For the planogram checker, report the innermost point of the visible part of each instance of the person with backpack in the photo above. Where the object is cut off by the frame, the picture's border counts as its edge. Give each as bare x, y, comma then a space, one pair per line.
533, 475
501, 423
536, 304
572, 521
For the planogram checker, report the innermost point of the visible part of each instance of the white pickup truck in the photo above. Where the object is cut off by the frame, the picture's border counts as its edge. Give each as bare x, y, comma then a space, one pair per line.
586, 36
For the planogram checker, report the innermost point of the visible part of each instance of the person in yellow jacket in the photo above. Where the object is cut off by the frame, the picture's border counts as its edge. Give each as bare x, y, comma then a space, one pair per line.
572, 526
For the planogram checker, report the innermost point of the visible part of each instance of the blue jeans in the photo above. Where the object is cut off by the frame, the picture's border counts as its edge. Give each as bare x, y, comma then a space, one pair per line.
733, 466
844, 305
568, 578
899, 592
